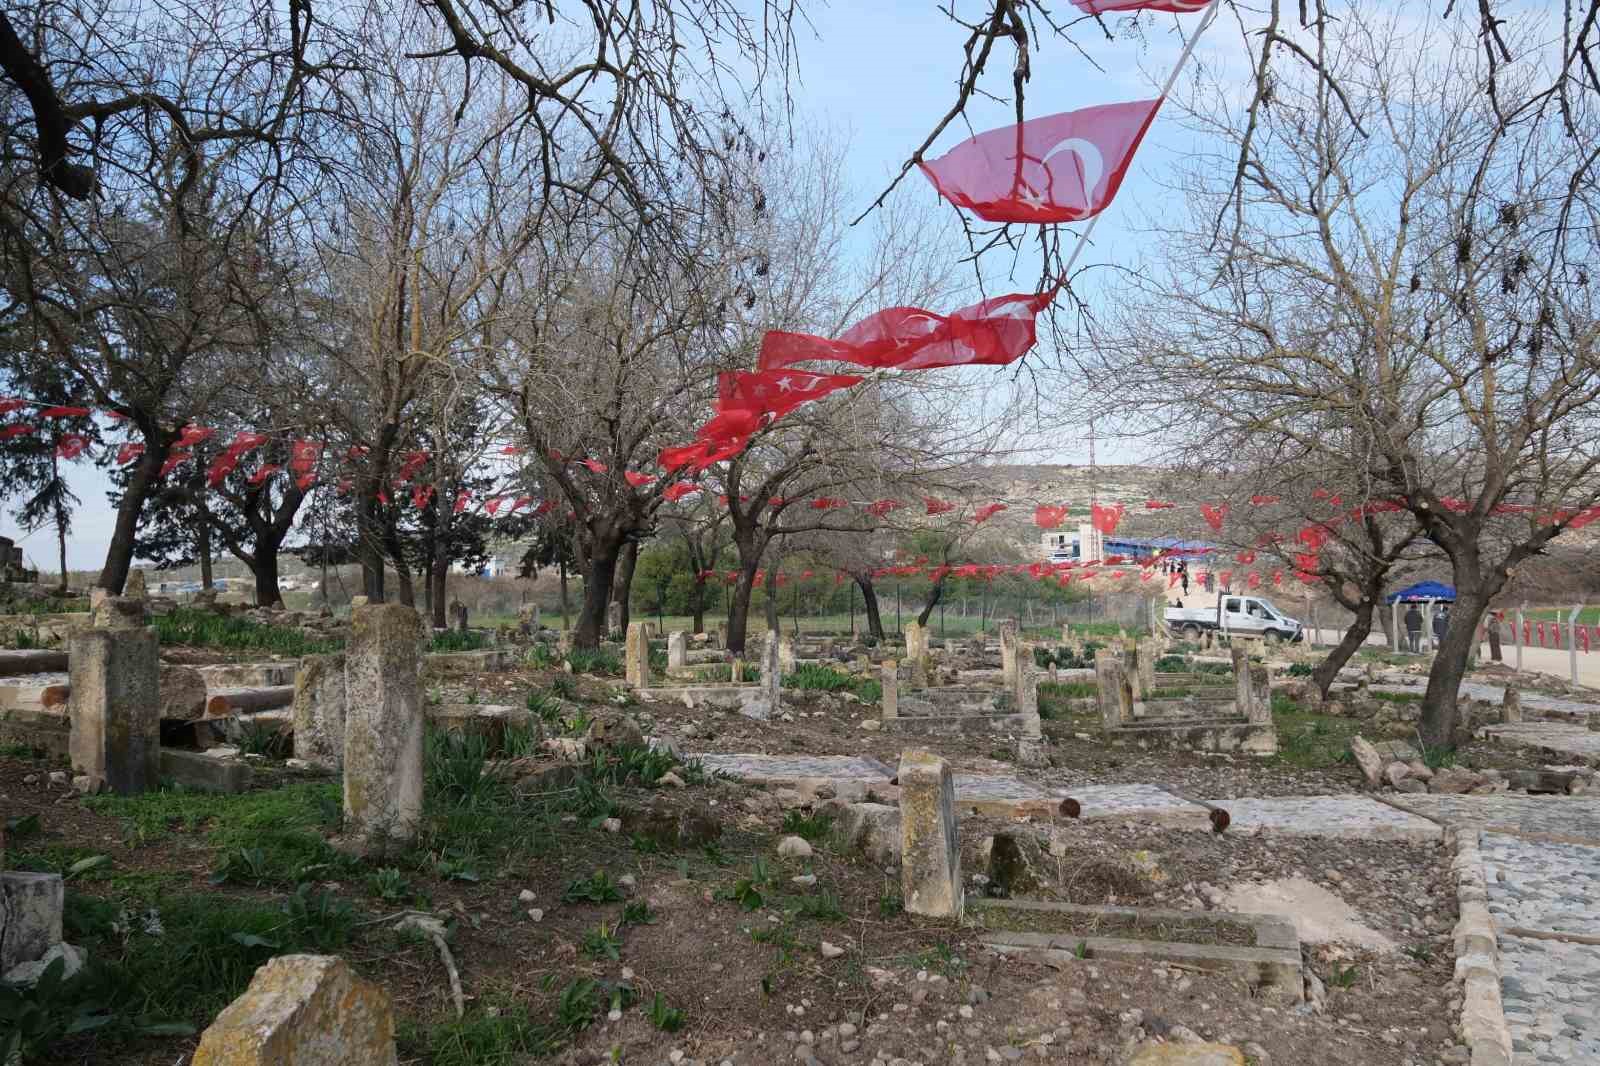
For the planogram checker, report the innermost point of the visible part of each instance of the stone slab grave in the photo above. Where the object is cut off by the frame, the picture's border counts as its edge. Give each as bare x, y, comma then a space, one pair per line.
846, 773
1125, 679
1541, 885
1002, 795
1556, 739
1352, 817
759, 701
1270, 963
30, 916
383, 730
24, 661
1568, 817
249, 675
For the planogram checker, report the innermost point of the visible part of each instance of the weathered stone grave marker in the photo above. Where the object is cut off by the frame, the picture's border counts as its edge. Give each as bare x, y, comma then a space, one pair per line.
383, 727
930, 853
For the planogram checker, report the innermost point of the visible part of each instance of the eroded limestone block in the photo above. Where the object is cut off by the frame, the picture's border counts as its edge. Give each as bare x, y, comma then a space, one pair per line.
30, 916
319, 710
303, 1010
115, 707
383, 727
930, 853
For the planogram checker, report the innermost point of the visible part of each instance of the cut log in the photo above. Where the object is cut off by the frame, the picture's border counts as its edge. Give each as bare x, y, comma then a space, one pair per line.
230, 701
17, 663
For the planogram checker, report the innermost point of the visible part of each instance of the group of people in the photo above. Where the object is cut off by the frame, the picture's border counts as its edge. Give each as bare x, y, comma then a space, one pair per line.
1414, 622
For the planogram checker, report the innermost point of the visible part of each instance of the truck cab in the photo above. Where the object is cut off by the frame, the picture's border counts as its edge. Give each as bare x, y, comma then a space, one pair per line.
1254, 616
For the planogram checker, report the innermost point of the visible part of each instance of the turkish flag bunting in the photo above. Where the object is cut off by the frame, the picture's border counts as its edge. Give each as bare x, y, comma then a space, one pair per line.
1173, 579
824, 503
594, 465
1262, 501
1106, 517
993, 332
71, 445
174, 460
265, 471
1112, 7
1254, 580
303, 456
987, 511
776, 392
879, 508
678, 491
1158, 505
937, 506
545, 507
636, 479
9, 405
492, 504
1046, 517
421, 495
1245, 557
64, 412
193, 434
463, 499
129, 452
305, 481
1058, 168
1214, 515
414, 461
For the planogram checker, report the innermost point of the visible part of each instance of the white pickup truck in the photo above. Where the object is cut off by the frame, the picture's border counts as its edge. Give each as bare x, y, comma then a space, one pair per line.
1252, 616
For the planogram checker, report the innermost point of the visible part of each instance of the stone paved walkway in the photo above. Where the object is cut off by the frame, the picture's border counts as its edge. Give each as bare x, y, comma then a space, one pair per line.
1558, 738
1567, 816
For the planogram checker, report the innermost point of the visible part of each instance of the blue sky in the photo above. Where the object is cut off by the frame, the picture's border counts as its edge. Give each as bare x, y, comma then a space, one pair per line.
884, 73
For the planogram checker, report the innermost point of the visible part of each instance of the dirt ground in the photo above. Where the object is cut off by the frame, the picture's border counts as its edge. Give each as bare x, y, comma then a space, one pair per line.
747, 966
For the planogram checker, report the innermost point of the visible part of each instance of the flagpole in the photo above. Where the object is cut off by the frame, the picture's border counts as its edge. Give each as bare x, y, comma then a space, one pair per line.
1177, 68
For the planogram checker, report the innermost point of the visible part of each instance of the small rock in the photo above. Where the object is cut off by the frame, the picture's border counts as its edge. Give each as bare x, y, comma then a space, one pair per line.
60, 777
612, 825
1368, 759
871, 725
296, 764
793, 847
628, 881
831, 951
671, 780
804, 879
537, 914
525, 896
28, 973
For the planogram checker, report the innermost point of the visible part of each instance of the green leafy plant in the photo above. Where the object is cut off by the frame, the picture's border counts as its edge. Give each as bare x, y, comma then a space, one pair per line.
1082, 950
746, 894
595, 661
185, 625
264, 738
542, 657
456, 770
811, 827
638, 912
452, 640
822, 906
667, 1019
578, 1004
564, 687
546, 706
1344, 976
319, 918
389, 884
890, 904
602, 942
596, 888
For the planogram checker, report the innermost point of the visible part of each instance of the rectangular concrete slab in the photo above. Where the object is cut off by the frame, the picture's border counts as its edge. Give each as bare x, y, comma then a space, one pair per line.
1542, 885
1557, 738
1139, 803
1354, 817
194, 770
787, 769
1576, 817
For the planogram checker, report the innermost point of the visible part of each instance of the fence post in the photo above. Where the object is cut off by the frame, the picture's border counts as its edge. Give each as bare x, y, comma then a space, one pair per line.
1394, 627
1572, 640
1518, 635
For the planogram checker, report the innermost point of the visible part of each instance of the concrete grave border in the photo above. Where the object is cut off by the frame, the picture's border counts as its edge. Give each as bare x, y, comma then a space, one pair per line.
1483, 1015
1274, 962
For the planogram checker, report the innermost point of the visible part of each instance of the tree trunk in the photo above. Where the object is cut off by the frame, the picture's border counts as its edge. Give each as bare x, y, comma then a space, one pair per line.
566, 610
1354, 638
119, 553
1439, 711
622, 588
697, 604
869, 600
264, 566
438, 575
369, 544
597, 588
61, 543
1493, 626
935, 595
751, 547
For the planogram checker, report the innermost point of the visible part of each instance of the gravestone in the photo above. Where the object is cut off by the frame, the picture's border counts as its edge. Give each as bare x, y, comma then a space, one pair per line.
891, 690
115, 706
1113, 692
1511, 705
771, 671
636, 649
134, 587
1145, 654
917, 652
614, 617
722, 636
1008, 653
930, 853
303, 1010
383, 727
30, 916
786, 654
319, 710
677, 650
1030, 742
458, 615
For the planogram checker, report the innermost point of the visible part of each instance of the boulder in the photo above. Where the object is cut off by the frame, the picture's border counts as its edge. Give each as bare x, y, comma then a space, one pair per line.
183, 693
1395, 773
303, 1010
1368, 759
610, 730
1455, 780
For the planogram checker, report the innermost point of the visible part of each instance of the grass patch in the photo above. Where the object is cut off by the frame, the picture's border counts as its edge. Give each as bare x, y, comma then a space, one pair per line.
814, 677
1396, 697
494, 1035
1311, 741
595, 661
1073, 923
452, 640
184, 625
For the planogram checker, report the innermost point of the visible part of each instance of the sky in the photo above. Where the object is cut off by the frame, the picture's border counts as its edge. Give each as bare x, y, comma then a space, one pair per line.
884, 73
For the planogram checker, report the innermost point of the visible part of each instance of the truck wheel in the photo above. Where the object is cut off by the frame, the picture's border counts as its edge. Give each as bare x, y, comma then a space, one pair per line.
1272, 638
1191, 632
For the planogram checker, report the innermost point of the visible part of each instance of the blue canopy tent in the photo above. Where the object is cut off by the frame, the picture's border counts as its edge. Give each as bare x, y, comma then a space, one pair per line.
1423, 592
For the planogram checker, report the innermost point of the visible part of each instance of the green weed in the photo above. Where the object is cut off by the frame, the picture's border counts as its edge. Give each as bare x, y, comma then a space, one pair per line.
184, 625
667, 1019
450, 640
499, 1034
602, 942
811, 827
596, 888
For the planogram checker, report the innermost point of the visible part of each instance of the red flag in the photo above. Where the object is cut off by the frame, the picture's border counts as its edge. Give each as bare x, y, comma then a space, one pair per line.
1059, 168
357, 451
519, 503
1245, 558
1106, 517
1262, 501
987, 511
1314, 537
512, 449
678, 491
993, 332
71, 445
64, 412
937, 506
1173, 579
1109, 7
492, 504
1046, 517
1158, 505
193, 434
1540, 630
545, 507
1254, 581
463, 500
776, 392
265, 471
1225, 577
879, 508
594, 465
1277, 578
823, 503
305, 481
637, 480
1214, 515
304, 455
9, 405
129, 452
414, 461
421, 495
174, 459
383, 497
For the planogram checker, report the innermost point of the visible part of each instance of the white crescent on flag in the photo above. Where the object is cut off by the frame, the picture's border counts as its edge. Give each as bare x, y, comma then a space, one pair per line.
1112, 7
1090, 162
